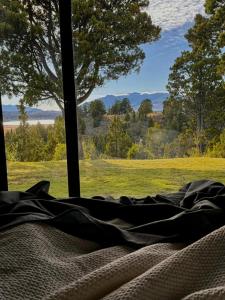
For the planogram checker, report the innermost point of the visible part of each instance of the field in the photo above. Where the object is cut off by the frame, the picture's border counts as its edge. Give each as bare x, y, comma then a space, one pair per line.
118, 177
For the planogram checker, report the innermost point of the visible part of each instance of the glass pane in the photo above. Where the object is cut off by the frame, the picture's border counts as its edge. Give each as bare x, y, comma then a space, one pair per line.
156, 130
32, 88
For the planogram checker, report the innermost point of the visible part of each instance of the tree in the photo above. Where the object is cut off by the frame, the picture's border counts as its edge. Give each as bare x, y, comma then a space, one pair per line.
97, 111
144, 109
218, 149
104, 48
216, 10
121, 107
115, 109
194, 81
173, 114
26, 144
125, 106
118, 141
89, 149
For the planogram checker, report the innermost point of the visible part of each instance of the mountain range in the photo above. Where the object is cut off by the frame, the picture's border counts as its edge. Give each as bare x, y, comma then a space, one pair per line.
136, 99
11, 113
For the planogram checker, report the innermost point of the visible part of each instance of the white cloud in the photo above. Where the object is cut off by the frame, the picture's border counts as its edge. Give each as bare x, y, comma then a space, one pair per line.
169, 14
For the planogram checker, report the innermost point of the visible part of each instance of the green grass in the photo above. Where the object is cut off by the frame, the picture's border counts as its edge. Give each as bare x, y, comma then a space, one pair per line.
119, 177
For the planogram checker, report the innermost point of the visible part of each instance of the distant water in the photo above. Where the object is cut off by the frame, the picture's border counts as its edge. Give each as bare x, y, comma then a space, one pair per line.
30, 122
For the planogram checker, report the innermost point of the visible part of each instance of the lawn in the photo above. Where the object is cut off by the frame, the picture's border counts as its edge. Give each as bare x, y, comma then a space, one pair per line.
118, 177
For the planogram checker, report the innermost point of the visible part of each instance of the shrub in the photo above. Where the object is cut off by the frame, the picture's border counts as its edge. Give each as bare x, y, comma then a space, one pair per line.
60, 152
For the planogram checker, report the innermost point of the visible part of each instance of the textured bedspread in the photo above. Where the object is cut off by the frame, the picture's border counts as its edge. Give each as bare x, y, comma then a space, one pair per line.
38, 261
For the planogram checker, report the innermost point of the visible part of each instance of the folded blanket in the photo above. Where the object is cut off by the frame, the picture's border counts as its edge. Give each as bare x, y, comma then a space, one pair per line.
38, 261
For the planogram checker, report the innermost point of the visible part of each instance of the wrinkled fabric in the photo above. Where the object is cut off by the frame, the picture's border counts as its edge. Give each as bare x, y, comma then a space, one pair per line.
194, 211
40, 262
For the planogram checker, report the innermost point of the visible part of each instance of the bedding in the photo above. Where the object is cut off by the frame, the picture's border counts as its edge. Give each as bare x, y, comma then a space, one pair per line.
39, 261
163, 247
194, 211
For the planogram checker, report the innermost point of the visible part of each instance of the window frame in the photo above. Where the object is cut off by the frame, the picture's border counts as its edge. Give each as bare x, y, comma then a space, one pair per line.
70, 100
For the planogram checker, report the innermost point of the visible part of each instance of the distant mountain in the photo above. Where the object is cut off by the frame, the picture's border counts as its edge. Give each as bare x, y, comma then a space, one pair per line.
137, 98
11, 113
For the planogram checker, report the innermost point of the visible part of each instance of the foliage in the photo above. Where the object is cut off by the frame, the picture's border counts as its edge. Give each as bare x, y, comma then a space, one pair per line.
156, 139
25, 144
89, 149
97, 111
138, 151
118, 141
173, 114
181, 146
103, 49
195, 83
218, 149
35, 143
144, 109
121, 107
216, 10
60, 152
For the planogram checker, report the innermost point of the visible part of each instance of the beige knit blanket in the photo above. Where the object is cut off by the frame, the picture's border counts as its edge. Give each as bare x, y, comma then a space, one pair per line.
40, 262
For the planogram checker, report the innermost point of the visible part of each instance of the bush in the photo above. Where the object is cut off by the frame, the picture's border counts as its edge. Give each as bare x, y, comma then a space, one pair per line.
60, 152
138, 151
218, 149
89, 149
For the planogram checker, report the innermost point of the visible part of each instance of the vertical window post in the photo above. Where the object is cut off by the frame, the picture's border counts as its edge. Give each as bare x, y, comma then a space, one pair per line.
70, 101
3, 166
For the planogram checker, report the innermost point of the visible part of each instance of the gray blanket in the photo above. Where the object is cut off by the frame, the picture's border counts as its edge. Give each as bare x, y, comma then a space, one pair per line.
38, 261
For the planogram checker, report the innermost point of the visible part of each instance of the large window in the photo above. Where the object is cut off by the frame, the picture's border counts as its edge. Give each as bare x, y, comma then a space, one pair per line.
150, 95
33, 96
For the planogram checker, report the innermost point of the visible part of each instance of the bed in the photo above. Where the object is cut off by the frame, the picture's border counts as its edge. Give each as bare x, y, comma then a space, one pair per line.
162, 247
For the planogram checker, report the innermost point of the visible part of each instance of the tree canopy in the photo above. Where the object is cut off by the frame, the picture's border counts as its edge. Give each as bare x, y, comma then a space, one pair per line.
216, 10
97, 111
196, 82
104, 48
144, 109
121, 107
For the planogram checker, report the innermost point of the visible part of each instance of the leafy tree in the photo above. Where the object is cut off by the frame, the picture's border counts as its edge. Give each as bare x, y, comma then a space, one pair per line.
100, 141
151, 122
144, 109
218, 149
125, 106
55, 135
104, 50
121, 107
115, 109
173, 114
89, 149
127, 117
118, 141
216, 10
97, 111
81, 125
195, 82
25, 144
60, 152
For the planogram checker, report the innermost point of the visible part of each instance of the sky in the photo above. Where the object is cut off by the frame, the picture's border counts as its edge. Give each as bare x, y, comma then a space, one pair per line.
174, 17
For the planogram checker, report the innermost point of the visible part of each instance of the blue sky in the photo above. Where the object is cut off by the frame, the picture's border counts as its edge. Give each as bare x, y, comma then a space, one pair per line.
154, 72
174, 17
